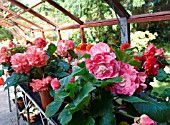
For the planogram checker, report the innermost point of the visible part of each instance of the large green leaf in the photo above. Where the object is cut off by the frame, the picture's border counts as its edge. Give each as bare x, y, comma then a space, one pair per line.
51, 49
64, 82
78, 71
103, 105
107, 119
89, 121
63, 64
158, 111
16, 79
65, 116
85, 91
53, 107
79, 118
162, 75
132, 99
71, 88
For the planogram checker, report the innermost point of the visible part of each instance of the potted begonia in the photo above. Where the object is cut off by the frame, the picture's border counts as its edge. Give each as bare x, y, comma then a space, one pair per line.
35, 66
111, 86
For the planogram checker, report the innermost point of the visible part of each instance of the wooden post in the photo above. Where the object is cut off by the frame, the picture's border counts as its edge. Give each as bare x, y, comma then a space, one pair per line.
33, 35
82, 35
59, 34
43, 35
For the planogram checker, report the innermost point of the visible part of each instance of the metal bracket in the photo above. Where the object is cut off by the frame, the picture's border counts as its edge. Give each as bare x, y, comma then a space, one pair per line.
124, 30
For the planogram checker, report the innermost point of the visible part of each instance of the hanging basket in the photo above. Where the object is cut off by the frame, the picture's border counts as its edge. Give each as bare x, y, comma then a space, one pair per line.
45, 98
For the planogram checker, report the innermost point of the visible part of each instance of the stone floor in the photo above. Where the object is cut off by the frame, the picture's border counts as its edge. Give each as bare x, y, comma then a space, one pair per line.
7, 117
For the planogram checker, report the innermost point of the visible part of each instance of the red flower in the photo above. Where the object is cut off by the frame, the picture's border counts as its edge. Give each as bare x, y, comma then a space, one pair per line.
151, 66
150, 51
124, 46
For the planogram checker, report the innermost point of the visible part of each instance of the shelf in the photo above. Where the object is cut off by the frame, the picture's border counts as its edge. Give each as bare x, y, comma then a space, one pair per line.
35, 99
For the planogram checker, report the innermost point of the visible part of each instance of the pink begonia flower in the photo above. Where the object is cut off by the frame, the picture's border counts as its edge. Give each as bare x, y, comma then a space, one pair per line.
36, 56
131, 80
100, 48
4, 58
11, 44
103, 66
3, 49
40, 85
40, 42
20, 63
63, 46
144, 120
55, 84
47, 79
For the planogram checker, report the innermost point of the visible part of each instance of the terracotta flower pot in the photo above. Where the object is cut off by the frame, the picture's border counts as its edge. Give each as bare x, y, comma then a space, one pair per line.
45, 98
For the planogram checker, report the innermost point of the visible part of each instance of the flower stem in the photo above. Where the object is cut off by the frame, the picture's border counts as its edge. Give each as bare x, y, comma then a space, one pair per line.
130, 116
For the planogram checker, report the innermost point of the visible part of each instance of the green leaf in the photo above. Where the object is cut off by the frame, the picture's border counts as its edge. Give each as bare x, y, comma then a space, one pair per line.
51, 49
89, 121
111, 81
86, 89
61, 74
158, 111
65, 116
162, 75
79, 118
86, 56
71, 88
107, 119
72, 53
64, 81
126, 58
103, 105
1, 71
16, 79
61, 95
53, 107
78, 71
63, 64
51, 91
132, 99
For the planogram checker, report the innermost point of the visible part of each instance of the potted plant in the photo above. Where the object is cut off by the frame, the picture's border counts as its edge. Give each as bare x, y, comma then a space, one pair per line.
110, 87
36, 65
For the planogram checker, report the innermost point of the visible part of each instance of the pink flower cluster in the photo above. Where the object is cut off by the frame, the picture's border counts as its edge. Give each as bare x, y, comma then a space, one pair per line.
4, 56
40, 42
131, 80
36, 56
20, 63
103, 65
63, 46
41, 85
144, 120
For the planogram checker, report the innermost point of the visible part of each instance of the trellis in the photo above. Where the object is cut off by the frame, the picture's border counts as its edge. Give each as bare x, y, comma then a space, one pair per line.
124, 19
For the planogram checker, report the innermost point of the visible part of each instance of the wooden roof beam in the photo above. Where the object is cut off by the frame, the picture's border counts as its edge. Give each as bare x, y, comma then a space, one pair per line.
32, 12
64, 11
15, 14
7, 23
18, 22
118, 8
